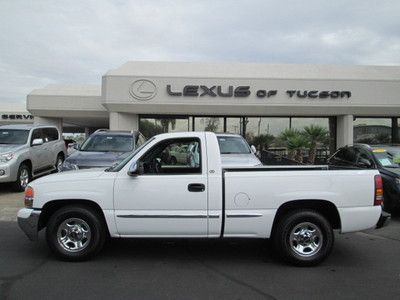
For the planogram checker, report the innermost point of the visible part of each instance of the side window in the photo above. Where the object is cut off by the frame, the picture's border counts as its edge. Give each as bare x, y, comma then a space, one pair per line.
350, 155
37, 134
50, 134
162, 158
364, 160
345, 156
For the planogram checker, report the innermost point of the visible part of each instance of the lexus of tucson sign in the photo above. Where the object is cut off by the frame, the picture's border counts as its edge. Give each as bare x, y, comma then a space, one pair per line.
243, 91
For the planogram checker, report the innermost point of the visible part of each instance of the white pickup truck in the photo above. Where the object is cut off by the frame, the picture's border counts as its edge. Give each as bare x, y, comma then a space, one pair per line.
144, 196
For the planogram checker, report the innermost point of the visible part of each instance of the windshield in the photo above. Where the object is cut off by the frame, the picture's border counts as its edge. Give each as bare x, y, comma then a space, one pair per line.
233, 145
108, 143
118, 166
389, 158
12, 136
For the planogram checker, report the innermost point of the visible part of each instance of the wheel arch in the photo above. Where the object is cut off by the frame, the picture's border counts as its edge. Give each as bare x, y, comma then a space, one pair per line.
324, 207
52, 206
27, 162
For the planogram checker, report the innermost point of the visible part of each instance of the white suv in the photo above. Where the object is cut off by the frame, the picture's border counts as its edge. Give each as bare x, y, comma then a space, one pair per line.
27, 151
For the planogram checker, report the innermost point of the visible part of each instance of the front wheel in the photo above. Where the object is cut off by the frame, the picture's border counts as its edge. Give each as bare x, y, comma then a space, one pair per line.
23, 178
75, 233
59, 163
303, 238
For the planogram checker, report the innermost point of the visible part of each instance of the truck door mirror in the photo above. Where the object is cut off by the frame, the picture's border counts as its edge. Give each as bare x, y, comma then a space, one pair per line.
135, 169
37, 142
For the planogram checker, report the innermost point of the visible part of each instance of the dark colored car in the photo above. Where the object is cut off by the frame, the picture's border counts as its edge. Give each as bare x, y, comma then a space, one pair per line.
103, 149
386, 159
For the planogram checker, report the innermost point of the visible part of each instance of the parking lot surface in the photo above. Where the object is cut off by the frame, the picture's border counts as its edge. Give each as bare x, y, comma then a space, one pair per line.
362, 265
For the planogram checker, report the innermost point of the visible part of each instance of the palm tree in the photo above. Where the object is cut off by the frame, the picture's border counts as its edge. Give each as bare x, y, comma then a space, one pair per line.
295, 141
263, 141
165, 124
315, 134
296, 145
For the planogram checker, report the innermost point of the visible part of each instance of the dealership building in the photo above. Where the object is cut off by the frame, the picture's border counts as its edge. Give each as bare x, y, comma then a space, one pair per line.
353, 103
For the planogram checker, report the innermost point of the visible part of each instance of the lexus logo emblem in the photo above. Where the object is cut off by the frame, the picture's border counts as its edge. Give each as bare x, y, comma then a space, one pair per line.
143, 89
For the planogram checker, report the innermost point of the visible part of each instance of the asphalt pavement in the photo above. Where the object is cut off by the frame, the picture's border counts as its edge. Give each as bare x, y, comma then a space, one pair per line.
362, 265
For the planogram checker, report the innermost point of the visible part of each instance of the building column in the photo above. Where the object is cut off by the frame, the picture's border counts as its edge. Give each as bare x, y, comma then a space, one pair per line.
344, 132
124, 121
58, 122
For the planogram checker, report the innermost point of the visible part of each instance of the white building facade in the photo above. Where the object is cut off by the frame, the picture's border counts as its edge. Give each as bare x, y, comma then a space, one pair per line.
250, 99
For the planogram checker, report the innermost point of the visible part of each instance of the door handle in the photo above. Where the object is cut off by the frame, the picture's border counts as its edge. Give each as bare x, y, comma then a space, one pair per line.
196, 187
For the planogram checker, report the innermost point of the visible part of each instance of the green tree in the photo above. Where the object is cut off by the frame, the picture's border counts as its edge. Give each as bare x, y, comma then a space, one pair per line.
149, 129
295, 141
263, 141
315, 135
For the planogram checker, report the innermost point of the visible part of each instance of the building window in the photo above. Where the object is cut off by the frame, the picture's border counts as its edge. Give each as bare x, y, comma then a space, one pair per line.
150, 126
372, 130
233, 125
213, 124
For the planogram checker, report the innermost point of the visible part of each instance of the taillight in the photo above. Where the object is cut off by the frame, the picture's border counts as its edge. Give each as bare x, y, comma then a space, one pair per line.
29, 197
378, 200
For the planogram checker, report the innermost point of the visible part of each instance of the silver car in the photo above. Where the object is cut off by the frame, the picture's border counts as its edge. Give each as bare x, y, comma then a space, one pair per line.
236, 152
27, 151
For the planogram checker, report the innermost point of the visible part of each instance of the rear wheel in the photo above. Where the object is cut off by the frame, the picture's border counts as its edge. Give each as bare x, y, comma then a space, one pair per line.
23, 178
75, 233
303, 238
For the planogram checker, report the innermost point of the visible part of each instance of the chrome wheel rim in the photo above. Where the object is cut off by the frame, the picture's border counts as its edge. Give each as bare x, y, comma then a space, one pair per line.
306, 239
74, 235
24, 178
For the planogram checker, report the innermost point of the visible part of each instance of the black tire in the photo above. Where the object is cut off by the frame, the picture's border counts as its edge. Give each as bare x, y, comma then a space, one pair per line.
59, 162
91, 245
19, 185
299, 225
173, 160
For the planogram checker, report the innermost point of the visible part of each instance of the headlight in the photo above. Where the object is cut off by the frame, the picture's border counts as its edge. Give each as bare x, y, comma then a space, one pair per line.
6, 157
29, 197
67, 166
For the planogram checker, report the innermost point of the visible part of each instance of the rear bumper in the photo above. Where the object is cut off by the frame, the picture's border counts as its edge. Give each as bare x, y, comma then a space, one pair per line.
383, 220
28, 220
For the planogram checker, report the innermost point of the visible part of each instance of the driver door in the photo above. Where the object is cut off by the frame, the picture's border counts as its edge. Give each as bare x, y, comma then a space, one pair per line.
164, 200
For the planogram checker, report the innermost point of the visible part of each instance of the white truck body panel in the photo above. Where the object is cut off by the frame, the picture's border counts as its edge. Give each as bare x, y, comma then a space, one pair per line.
160, 205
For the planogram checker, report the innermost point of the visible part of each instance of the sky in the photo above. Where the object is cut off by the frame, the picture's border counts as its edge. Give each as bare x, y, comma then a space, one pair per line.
46, 42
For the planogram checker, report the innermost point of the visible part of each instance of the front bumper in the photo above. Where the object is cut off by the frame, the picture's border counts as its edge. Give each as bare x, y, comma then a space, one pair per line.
28, 220
9, 172
383, 220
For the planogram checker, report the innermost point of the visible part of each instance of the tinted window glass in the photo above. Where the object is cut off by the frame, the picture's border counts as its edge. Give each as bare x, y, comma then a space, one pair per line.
50, 134
347, 155
37, 134
108, 143
13, 136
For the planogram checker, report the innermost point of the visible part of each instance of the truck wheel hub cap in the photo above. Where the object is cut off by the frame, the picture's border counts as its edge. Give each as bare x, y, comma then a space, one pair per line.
306, 239
74, 234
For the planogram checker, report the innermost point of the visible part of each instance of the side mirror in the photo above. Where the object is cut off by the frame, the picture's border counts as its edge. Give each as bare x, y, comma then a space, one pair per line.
37, 142
253, 149
77, 146
135, 169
